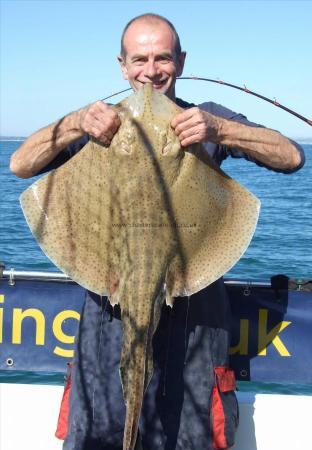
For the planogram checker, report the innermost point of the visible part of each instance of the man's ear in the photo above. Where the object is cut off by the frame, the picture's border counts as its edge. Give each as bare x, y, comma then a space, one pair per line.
181, 61
123, 67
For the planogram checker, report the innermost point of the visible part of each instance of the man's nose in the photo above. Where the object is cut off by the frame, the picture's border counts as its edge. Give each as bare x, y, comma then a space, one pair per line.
151, 69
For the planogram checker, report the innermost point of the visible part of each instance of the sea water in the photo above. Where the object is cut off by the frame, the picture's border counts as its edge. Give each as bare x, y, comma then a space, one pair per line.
281, 244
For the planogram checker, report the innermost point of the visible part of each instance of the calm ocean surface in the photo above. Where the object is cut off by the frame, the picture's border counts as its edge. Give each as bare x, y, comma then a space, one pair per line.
282, 242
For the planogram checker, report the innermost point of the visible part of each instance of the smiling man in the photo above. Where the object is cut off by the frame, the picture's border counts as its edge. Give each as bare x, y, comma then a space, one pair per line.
184, 407
151, 53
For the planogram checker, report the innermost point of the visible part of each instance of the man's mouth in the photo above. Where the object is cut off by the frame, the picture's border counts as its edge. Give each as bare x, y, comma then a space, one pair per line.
158, 85
155, 84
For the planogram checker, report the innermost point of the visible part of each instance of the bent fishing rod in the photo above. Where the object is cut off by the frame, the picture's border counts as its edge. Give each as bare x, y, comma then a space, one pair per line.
234, 86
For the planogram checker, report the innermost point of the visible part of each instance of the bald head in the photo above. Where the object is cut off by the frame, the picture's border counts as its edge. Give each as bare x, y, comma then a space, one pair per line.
151, 19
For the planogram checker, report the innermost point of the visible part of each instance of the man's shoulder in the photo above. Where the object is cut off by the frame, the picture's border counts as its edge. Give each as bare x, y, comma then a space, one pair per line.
221, 111
214, 108
184, 104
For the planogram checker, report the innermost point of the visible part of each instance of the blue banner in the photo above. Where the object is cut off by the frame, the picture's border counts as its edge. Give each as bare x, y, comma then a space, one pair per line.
271, 335
38, 323
271, 339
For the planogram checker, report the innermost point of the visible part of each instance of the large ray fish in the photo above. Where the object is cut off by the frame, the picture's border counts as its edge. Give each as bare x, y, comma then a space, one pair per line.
142, 221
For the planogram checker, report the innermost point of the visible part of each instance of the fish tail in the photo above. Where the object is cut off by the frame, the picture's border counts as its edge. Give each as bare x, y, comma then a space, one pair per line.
134, 406
135, 374
136, 366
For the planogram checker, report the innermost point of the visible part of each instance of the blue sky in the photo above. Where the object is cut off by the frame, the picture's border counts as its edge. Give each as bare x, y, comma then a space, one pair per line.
57, 56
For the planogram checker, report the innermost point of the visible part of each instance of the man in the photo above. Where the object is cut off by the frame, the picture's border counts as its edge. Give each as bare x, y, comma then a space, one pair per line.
184, 406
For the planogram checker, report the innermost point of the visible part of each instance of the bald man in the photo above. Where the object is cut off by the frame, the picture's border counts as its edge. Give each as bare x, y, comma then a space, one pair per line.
185, 406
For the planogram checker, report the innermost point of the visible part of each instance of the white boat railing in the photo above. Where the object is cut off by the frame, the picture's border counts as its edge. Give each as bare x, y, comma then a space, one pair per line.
13, 274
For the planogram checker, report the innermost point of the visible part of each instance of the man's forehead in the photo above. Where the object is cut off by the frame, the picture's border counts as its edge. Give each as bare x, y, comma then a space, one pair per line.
151, 29
149, 22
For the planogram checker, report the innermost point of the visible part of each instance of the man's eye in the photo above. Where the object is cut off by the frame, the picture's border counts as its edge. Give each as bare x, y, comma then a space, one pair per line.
165, 60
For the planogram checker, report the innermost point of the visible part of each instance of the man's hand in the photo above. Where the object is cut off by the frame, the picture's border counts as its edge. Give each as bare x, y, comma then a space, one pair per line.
267, 146
100, 121
194, 125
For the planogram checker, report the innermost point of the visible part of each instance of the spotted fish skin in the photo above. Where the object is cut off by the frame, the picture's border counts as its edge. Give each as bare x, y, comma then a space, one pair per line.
141, 221
146, 245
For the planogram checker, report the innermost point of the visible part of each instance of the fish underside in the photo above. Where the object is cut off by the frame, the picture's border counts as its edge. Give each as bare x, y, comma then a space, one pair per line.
142, 221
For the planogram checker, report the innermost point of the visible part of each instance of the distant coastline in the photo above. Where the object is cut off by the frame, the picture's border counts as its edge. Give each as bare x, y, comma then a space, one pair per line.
306, 141
12, 138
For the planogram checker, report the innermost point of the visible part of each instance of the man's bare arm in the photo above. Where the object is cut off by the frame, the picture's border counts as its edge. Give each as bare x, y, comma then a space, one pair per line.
267, 146
98, 120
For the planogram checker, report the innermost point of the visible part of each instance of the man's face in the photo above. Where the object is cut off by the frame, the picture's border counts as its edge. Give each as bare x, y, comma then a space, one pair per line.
150, 57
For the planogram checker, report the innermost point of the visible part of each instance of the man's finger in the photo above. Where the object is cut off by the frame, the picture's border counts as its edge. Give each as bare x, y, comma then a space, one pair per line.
106, 121
95, 132
109, 134
183, 116
188, 133
108, 115
102, 111
93, 125
182, 126
101, 106
194, 139
101, 124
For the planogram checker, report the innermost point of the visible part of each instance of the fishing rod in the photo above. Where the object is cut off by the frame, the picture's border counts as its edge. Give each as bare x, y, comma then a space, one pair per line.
234, 86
